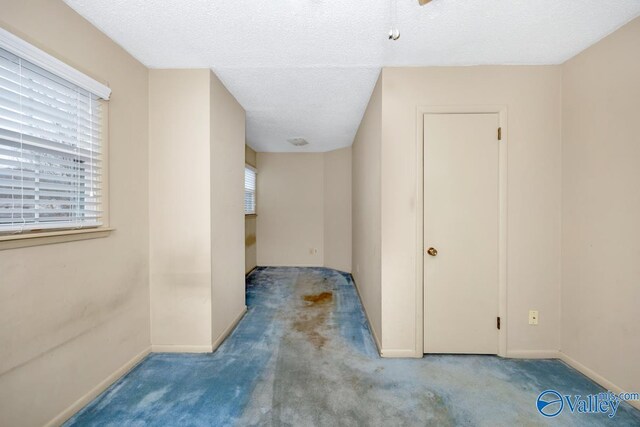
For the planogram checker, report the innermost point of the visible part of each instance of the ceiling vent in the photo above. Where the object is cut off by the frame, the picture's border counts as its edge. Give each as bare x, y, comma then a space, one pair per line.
298, 142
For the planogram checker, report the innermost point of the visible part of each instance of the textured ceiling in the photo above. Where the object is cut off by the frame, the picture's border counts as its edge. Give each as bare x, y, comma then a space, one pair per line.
306, 68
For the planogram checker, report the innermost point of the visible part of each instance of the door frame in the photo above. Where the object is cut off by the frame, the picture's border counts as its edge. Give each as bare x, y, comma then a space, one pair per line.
501, 110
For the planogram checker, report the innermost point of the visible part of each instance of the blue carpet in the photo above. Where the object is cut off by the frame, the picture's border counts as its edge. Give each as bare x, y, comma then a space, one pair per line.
303, 356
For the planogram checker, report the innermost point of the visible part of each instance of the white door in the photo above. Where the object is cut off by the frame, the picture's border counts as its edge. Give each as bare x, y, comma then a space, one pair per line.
461, 222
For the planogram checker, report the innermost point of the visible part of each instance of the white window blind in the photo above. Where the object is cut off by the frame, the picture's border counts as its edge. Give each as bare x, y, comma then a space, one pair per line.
249, 190
50, 150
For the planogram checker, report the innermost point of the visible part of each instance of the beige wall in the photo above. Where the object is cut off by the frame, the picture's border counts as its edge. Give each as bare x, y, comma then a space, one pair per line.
196, 186
71, 314
250, 156
366, 236
601, 208
250, 242
227, 208
304, 203
179, 205
337, 209
290, 209
533, 99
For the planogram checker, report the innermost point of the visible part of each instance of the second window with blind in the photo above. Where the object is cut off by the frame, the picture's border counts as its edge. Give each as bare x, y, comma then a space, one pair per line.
249, 190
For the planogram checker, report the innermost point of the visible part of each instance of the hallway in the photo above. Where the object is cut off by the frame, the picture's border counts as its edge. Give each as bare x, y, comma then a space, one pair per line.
303, 355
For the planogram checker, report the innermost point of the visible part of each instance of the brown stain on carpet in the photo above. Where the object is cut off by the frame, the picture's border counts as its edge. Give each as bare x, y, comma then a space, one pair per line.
322, 298
314, 318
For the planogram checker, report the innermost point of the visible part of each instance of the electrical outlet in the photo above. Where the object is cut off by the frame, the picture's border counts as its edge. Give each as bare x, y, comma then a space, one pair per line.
313, 251
533, 317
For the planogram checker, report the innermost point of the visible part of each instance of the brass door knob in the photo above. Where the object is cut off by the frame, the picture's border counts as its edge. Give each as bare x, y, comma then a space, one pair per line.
432, 251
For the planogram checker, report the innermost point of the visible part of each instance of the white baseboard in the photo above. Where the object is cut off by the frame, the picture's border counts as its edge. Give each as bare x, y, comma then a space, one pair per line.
94, 392
404, 353
376, 340
179, 348
597, 378
170, 348
533, 354
399, 353
229, 329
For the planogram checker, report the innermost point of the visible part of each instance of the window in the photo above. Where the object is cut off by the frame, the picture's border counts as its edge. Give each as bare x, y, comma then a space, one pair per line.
50, 145
249, 190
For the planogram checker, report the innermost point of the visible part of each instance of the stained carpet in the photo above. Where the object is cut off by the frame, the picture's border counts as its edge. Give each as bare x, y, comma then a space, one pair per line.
303, 356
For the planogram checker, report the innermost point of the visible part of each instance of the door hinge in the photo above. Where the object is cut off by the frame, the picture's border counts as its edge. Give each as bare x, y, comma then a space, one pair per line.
499, 138
498, 322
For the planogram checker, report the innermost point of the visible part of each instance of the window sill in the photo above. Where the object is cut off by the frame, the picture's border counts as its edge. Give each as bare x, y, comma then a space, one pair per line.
250, 215
14, 241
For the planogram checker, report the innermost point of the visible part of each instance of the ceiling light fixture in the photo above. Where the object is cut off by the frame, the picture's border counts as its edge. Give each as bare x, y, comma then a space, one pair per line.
394, 33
